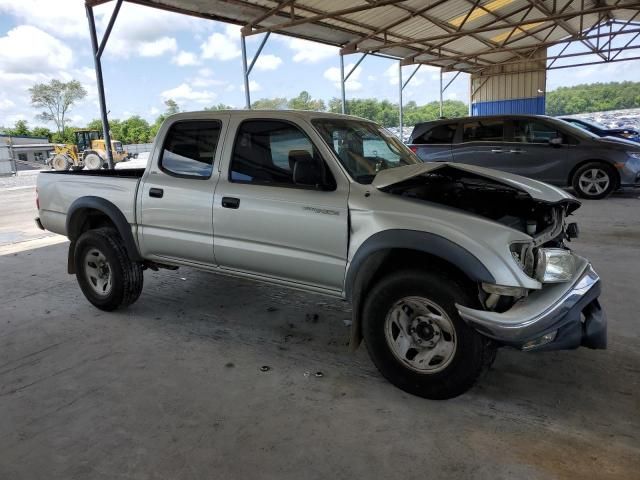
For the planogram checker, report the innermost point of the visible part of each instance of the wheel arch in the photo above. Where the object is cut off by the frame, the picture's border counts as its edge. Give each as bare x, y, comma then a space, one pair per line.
90, 212
397, 249
593, 160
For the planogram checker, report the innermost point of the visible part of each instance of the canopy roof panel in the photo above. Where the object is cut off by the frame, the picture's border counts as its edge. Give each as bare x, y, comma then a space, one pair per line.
464, 35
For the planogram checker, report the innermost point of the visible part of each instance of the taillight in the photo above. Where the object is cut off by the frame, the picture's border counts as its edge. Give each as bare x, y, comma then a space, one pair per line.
37, 199
413, 148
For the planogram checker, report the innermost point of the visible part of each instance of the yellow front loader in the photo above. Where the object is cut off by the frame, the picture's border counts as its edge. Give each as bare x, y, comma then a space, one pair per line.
89, 151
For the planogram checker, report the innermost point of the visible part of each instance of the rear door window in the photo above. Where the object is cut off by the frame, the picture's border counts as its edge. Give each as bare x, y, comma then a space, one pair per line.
533, 131
439, 134
190, 148
489, 130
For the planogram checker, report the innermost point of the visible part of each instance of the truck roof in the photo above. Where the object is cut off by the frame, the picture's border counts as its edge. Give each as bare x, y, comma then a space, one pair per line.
244, 113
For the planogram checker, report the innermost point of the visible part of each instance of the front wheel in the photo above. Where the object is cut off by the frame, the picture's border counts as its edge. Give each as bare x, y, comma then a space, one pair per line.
594, 180
106, 275
416, 338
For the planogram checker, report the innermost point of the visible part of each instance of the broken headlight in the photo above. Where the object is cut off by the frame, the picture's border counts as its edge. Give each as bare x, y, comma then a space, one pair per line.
522, 253
554, 265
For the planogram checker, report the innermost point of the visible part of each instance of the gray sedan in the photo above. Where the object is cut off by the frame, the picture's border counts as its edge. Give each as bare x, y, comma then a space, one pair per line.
534, 146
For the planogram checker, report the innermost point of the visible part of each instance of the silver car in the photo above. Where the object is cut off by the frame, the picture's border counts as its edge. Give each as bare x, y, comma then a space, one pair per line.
534, 146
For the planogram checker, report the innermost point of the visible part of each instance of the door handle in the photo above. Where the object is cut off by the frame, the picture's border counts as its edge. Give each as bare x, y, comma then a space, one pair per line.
230, 202
156, 192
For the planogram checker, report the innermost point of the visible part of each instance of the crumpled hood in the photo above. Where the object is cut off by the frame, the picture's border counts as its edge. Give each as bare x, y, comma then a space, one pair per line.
537, 190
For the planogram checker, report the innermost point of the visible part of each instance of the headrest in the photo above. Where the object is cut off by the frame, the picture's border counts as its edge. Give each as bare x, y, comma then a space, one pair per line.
296, 156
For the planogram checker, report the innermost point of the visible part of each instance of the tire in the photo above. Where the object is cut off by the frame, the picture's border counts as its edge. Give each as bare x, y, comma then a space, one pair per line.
594, 180
60, 163
93, 161
455, 354
106, 275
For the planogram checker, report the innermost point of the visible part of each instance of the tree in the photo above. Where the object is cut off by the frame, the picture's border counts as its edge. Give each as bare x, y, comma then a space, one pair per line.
304, 102
172, 107
41, 132
220, 106
278, 103
56, 98
21, 127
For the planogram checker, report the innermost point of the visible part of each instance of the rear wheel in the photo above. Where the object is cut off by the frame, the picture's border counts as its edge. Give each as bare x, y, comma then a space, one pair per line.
416, 338
93, 161
106, 275
594, 180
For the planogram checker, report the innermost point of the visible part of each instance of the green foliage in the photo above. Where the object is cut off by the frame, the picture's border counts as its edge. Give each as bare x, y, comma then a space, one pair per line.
41, 132
594, 97
21, 127
278, 103
220, 106
304, 102
172, 107
386, 113
56, 98
65, 136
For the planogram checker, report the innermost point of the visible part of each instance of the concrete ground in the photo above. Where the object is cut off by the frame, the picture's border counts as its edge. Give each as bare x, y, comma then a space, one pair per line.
172, 387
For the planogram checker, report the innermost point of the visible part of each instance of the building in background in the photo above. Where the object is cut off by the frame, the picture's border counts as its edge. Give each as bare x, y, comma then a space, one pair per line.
27, 149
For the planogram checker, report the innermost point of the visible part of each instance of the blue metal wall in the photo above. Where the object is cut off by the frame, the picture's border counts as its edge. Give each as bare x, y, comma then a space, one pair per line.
534, 105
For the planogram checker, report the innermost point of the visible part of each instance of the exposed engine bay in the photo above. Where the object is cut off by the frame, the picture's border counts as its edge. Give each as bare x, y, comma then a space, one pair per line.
490, 199
502, 203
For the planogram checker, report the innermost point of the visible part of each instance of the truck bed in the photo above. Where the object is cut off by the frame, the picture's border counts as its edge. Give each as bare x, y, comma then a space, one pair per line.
58, 190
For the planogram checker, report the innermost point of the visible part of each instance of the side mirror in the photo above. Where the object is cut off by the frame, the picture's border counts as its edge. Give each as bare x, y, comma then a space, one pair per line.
555, 142
307, 172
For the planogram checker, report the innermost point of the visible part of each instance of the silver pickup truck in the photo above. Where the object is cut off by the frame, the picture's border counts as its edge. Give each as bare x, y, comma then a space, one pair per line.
442, 263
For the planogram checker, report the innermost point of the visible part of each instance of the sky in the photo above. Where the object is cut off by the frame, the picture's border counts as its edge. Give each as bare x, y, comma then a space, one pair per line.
154, 55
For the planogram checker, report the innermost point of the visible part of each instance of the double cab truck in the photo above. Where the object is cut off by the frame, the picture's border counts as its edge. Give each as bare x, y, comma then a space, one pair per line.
442, 263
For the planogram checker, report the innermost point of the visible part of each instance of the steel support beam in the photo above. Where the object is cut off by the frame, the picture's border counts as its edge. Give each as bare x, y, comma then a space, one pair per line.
246, 70
342, 89
400, 88
245, 73
97, 54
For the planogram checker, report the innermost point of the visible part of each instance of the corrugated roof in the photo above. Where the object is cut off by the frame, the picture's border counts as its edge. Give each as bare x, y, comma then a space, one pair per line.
466, 35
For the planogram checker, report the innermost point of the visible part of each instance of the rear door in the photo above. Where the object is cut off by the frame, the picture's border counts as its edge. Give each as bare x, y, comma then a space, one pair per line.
176, 196
482, 142
533, 155
432, 143
268, 225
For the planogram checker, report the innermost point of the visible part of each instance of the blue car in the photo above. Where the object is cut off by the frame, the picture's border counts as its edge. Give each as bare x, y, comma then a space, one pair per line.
602, 131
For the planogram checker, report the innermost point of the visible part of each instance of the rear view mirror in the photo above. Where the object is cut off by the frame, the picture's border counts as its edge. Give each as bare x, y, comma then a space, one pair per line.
555, 142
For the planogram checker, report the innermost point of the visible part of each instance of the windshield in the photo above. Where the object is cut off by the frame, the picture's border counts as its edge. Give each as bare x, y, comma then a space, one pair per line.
363, 148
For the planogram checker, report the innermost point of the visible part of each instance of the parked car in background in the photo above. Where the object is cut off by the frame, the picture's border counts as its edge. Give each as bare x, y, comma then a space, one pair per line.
535, 146
603, 131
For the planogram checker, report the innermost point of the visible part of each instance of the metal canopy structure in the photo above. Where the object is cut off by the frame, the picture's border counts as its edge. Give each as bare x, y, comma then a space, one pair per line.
470, 36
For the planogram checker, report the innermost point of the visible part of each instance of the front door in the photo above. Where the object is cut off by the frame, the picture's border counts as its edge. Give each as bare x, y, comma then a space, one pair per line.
534, 155
176, 197
272, 223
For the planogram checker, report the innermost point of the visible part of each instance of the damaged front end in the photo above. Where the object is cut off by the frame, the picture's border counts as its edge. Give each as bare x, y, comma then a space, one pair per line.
564, 312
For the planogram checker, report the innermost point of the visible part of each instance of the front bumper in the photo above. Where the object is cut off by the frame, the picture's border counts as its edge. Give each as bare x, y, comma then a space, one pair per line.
568, 312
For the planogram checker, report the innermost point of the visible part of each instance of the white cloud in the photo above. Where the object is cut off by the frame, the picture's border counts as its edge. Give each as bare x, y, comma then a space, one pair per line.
312, 52
220, 46
268, 62
352, 84
141, 30
205, 72
184, 91
27, 49
253, 86
5, 104
154, 111
64, 18
186, 59
157, 47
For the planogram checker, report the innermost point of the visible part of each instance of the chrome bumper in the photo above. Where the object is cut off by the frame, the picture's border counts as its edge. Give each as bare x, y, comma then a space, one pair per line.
559, 316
